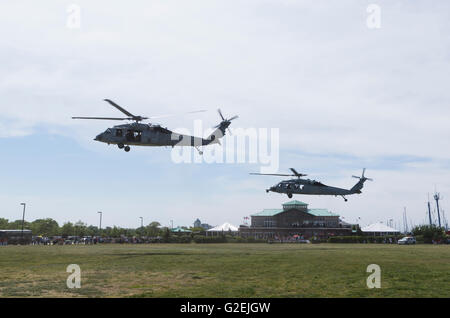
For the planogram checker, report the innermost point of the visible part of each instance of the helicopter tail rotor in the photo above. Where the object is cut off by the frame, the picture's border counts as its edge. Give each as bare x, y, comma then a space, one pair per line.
363, 178
221, 128
357, 187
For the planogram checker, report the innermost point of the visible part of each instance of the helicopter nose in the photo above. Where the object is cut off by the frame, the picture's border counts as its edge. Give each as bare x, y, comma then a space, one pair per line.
99, 137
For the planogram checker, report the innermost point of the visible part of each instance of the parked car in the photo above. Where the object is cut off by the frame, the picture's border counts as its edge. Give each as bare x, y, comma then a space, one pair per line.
407, 240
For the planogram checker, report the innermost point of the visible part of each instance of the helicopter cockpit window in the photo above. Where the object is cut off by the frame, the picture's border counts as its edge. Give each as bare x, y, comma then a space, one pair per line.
119, 133
108, 131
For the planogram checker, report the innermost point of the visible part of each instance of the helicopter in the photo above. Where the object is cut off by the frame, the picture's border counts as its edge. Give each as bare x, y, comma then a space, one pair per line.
312, 187
140, 134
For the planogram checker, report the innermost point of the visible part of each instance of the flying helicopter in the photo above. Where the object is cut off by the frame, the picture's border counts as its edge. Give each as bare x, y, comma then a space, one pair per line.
140, 134
312, 187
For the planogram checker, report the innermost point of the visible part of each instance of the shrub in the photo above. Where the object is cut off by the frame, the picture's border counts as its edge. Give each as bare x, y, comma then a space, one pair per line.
361, 239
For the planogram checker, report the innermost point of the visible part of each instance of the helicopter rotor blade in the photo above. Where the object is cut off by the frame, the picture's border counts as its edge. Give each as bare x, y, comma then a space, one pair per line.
220, 113
296, 173
233, 118
102, 118
273, 174
120, 108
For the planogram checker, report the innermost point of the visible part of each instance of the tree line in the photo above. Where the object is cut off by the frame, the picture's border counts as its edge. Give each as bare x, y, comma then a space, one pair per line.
49, 227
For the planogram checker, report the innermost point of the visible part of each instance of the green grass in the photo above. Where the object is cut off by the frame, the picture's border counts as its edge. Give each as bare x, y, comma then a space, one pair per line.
226, 270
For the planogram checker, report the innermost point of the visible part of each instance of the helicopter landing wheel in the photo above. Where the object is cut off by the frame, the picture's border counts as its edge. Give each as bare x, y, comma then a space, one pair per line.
127, 148
120, 146
289, 195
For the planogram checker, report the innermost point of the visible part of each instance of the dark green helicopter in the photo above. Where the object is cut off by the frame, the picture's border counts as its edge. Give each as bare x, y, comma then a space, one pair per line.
312, 187
153, 135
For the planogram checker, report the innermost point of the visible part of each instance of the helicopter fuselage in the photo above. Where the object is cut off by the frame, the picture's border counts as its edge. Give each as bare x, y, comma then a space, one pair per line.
312, 187
138, 134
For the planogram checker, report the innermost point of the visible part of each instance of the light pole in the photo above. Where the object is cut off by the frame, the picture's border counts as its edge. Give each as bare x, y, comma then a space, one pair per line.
100, 228
142, 221
23, 220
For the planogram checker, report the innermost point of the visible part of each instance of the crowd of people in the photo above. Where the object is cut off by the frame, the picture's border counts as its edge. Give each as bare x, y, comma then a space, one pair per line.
88, 240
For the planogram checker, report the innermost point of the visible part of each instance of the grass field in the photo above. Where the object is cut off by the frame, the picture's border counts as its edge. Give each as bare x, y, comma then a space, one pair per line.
225, 270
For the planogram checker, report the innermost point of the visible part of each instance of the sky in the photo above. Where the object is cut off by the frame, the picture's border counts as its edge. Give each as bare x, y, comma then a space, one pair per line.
343, 94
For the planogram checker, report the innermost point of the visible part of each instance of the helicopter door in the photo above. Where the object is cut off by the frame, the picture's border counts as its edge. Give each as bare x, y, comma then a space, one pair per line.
130, 135
137, 136
134, 135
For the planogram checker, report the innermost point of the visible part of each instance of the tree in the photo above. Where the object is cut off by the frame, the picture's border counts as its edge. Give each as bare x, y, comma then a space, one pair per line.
430, 233
153, 229
17, 225
197, 229
141, 231
166, 234
67, 229
4, 223
91, 230
44, 227
116, 231
80, 228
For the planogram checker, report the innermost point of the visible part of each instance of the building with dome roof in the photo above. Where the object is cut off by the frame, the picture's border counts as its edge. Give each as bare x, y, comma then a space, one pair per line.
294, 219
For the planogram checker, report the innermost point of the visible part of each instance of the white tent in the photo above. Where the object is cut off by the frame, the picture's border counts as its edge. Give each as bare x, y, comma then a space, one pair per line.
379, 228
226, 227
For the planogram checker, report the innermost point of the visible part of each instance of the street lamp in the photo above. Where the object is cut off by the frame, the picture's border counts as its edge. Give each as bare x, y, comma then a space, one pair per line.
100, 228
23, 219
